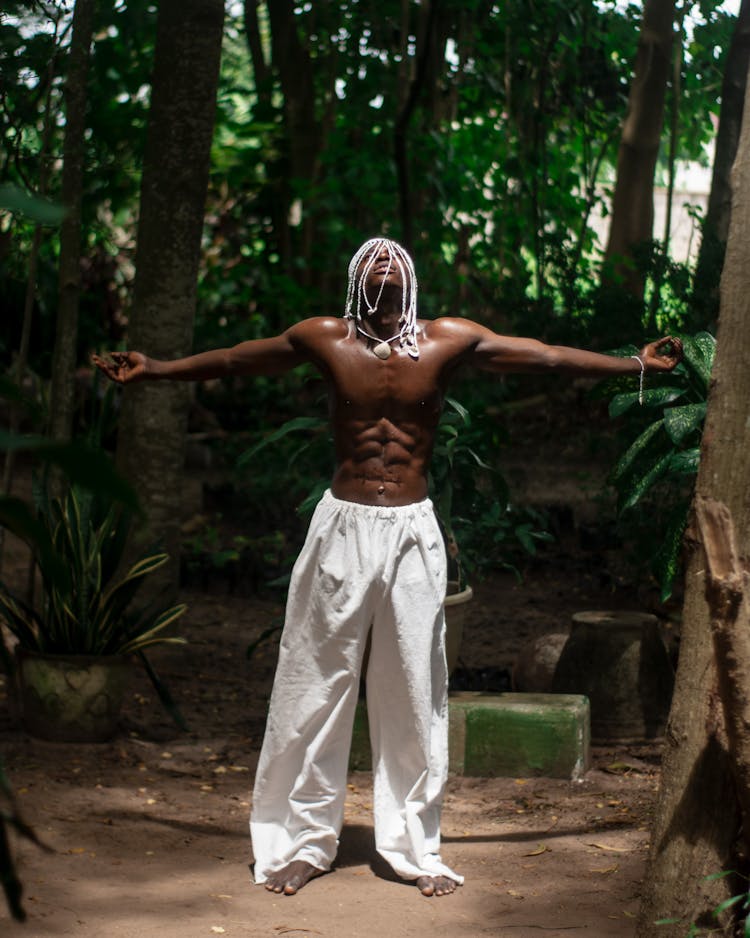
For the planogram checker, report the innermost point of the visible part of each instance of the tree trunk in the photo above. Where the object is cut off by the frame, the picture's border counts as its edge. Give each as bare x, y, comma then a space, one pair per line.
705, 301
69, 278
151, 441
633, 201
697, 814
727, 597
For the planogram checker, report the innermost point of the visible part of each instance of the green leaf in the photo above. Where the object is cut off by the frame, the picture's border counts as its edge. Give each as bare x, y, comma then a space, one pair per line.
659, 397
635, 450
727, 904
699, 353
669, 555
683, 420
638, 488
291, 426
18, 518
82, 464
38, 209
686, 461
621, 403
459, 409
164, 693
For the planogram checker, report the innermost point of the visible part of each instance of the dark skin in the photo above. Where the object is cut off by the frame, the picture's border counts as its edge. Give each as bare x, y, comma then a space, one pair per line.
384, 413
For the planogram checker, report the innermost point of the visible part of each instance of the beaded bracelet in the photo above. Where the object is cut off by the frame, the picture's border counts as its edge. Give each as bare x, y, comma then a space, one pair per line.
640, 382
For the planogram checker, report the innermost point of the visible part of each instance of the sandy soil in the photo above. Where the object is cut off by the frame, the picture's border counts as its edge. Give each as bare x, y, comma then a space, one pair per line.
149, 831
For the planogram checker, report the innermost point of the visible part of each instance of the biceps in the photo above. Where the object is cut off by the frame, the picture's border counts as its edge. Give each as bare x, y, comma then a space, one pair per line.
508, 354
264, 356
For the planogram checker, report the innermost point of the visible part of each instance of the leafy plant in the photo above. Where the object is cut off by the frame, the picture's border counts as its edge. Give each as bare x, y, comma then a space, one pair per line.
86, 606
472, 500
470, 495
662, 461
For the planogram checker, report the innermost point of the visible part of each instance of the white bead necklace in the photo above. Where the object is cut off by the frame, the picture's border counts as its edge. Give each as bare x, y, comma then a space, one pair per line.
383, 348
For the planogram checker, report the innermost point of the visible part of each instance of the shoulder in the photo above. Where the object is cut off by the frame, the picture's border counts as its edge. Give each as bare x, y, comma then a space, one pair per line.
455, 329
318, 329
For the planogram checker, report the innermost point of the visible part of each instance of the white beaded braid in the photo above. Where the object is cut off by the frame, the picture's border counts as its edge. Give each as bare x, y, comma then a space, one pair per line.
356, 295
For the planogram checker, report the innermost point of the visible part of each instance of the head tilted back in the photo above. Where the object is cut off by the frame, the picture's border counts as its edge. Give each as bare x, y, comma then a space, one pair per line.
356, 295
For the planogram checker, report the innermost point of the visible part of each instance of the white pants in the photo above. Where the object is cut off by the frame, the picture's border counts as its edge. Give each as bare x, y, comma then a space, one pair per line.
361, 566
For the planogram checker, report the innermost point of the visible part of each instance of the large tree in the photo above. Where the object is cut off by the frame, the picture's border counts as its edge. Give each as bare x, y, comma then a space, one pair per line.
697, 820
151, 442
633, 200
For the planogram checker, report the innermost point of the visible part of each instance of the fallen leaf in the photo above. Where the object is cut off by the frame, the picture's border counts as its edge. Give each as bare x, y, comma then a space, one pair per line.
612, 849
605, 870
541, 848
217, 929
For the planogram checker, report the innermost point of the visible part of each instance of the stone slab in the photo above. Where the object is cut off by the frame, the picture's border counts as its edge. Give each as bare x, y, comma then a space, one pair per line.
520, 735
505, 735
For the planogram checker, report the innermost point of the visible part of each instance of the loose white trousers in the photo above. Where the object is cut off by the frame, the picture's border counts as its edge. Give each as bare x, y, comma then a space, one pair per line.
360, 566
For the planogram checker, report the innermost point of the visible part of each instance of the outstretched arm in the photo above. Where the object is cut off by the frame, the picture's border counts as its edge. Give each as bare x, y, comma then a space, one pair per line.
494, 352
256, 357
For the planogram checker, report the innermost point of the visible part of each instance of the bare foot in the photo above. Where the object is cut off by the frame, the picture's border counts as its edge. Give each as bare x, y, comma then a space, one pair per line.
436, 885
292, 877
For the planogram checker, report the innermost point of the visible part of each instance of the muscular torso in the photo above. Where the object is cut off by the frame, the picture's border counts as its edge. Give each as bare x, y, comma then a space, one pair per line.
384, 413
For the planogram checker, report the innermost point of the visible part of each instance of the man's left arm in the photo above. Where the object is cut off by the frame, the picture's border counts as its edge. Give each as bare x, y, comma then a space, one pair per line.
509, 354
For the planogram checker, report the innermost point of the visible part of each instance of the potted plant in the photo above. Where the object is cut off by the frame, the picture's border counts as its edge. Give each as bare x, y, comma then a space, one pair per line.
73, 641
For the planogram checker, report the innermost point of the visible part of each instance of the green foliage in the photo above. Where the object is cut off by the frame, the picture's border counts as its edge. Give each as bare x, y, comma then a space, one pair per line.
470, 494
739, 903
86, 606
659, 466
482, 529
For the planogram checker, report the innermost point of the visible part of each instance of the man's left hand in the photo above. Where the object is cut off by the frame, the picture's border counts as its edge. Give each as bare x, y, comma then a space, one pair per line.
662, 355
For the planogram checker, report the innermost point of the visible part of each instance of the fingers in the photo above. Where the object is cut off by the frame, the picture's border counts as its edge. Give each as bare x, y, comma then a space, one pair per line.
115, 365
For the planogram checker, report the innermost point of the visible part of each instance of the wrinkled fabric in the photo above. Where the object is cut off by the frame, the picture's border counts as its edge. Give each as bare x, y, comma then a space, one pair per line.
360, 566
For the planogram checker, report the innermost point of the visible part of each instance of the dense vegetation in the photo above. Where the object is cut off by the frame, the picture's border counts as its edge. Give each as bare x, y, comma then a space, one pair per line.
484, 136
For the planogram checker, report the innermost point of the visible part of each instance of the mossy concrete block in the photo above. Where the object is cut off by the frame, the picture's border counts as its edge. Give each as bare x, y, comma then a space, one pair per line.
507, 735
520, 735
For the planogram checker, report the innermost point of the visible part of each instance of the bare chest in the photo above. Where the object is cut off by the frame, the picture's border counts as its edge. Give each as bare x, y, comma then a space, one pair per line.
366, 386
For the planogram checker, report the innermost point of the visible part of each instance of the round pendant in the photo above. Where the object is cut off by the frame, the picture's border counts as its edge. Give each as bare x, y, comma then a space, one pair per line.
382, 350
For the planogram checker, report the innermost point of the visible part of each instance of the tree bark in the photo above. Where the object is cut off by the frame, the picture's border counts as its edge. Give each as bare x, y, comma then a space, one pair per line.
151, 440
708, 269
69, 277
697, 812
727, 596
633, 201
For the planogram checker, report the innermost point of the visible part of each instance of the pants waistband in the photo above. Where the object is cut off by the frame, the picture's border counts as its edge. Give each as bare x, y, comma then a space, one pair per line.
423, 507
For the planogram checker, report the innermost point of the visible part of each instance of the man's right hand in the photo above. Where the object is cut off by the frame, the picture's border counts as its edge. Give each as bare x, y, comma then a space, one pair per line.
123, 367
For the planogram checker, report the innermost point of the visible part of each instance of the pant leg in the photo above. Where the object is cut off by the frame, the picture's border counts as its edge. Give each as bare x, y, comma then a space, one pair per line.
300, 786
407, 699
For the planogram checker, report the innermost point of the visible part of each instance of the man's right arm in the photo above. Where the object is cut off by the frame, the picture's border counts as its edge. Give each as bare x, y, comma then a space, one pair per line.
272, 356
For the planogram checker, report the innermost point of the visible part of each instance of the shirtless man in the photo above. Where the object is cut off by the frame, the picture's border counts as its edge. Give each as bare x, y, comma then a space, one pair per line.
373, 561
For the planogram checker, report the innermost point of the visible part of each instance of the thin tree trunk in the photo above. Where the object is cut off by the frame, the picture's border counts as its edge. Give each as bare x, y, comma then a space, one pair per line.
400, 131
151, 440
69, 282
697, 813
708, 269
633, 201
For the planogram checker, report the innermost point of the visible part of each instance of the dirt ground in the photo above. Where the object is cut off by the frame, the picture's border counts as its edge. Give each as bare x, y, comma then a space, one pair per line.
150, 837
149, 833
